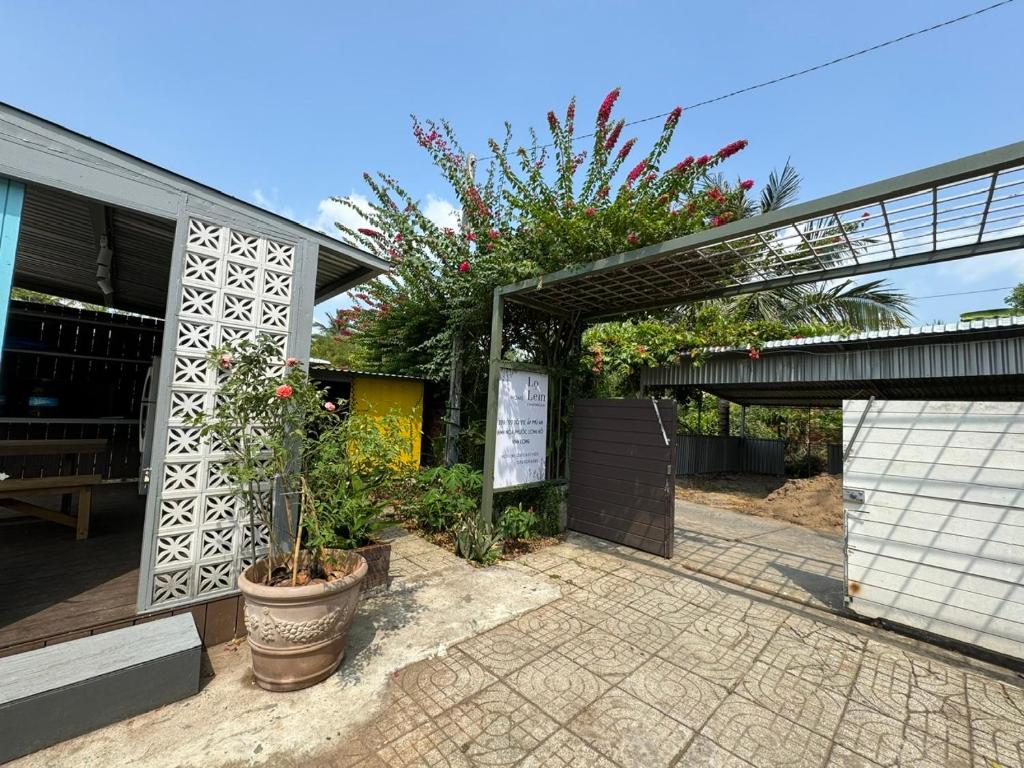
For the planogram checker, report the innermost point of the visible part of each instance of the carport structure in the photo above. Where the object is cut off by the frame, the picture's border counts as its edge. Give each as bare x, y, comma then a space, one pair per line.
968, 207
975, 360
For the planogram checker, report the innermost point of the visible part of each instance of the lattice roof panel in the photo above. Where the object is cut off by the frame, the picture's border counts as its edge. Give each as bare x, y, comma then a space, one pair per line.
967, 207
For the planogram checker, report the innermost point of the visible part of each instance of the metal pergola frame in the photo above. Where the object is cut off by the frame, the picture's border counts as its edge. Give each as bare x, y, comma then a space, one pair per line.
967, 207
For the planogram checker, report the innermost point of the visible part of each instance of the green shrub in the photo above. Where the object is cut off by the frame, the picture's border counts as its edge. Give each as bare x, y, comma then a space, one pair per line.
448, 496
354, 459
545, 501
475, 539
518, 523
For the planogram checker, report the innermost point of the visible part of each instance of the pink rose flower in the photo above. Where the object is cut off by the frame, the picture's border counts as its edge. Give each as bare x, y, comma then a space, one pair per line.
330, 407
291, 362
285, 391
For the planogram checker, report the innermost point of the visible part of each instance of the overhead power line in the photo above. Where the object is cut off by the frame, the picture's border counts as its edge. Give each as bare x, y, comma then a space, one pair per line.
964, 293
808, 70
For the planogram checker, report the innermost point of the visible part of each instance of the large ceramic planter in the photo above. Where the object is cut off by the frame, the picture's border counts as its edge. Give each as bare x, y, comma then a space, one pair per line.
297, 634
378, 564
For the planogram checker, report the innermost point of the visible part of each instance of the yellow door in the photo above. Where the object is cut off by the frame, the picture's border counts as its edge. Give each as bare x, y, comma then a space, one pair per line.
378, 397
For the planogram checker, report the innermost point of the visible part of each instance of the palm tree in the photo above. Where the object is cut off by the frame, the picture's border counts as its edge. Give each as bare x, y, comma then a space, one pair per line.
869, 305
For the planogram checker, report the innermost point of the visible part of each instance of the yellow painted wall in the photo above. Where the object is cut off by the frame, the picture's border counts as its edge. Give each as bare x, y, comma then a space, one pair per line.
379, 396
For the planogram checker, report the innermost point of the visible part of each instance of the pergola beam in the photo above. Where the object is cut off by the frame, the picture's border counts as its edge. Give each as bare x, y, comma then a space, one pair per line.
552, 291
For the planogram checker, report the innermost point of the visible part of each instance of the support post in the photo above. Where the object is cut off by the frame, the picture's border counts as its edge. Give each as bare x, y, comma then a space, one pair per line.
743, 421
453, 420
493, 383
12, 197
453, 412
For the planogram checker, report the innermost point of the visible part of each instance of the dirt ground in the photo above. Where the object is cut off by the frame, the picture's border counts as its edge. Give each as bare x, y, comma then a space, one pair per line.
814, 502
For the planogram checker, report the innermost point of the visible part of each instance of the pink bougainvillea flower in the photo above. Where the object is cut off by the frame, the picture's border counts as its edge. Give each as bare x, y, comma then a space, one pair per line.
464, 266
590, 211
716, 194
605, 110
747, 184
703, 160
330, 407
399, 238
291, 362
369, 232
731, 149
488, 247
603, 192
753, 354
284, 391
626, 148
685, 163
663, 200
652, 176
613, 137
724, 218
494, 234
449, 232
865, 215
673, 117
635, 173
632, 238
225, 362
552, 121
471, 236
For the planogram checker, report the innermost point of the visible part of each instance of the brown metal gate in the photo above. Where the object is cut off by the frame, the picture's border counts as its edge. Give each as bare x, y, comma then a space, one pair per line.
621, 473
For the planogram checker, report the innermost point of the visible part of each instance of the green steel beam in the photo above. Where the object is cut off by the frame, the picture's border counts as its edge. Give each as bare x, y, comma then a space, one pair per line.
850, 270
493, 382
871, 194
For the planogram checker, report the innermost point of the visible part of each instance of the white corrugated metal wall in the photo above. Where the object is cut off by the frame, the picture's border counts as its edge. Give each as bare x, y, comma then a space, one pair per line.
938, 541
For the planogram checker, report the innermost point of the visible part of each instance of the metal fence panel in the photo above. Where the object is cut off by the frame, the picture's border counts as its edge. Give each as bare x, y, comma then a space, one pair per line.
621, 485
835, 458
705, 454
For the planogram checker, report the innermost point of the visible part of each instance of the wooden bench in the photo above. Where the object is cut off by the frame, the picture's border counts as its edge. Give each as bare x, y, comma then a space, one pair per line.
64, 690
66, 486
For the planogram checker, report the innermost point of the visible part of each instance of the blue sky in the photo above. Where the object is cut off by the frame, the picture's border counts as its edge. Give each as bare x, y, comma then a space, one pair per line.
287, 104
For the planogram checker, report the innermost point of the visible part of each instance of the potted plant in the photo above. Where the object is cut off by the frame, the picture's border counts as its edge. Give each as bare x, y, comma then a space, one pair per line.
269, 422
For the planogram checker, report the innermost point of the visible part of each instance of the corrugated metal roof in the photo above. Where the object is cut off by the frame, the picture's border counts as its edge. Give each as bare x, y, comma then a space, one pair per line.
57, 249
316, 364
51, 158
929, 332
984, 360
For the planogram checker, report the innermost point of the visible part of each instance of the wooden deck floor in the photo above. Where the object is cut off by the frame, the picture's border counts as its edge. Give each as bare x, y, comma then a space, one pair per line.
51, 584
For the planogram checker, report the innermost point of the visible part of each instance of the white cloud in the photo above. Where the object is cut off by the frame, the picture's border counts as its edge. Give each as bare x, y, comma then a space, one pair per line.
978, 269
329, 211
441, 212
269, 201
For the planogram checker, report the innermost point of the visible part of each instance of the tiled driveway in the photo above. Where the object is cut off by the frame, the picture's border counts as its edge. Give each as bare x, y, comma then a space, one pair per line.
770, 556
642, 664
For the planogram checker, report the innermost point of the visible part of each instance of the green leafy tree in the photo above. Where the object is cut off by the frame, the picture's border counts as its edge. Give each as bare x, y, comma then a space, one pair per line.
541, 207
1016, 298
536, 209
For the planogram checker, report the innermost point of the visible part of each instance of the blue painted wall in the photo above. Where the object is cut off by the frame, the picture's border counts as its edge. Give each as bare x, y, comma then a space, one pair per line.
12, 196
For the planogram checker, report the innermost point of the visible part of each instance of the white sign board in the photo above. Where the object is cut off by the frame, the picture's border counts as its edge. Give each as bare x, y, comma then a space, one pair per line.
520, 448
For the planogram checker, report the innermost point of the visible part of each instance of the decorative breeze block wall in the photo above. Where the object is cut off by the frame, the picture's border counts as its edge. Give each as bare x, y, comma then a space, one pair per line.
233, 286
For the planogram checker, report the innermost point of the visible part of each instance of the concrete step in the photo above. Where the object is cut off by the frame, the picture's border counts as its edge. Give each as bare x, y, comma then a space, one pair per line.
61, 691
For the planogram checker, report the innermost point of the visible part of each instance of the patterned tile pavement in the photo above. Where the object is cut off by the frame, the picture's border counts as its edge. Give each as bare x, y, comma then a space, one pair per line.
642, 664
